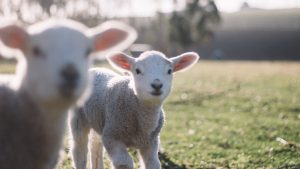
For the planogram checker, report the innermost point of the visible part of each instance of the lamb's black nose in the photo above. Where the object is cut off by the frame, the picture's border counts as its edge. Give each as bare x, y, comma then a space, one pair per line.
156, 85
70, 76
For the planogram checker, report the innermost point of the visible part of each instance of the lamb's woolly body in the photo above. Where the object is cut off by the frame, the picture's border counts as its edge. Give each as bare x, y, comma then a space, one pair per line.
128, 119
123, 116
19, 114
24, 131
115, 113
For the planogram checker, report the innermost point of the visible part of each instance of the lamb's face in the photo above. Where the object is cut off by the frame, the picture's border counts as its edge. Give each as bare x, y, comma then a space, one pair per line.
152, 74
57, 64
56, 54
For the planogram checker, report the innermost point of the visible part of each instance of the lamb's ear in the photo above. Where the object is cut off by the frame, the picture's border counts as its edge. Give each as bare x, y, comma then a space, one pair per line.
120, 61
14, 36
184, 61
112, 36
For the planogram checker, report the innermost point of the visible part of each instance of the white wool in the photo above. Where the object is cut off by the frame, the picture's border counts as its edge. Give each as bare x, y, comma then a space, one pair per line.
52, 76
125, 111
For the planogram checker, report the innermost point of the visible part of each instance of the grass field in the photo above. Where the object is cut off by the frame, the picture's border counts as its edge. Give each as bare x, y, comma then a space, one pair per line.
231, 115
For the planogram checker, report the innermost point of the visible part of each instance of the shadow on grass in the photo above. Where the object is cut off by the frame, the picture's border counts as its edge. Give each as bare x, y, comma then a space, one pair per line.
167, 163
289, 166
294, 110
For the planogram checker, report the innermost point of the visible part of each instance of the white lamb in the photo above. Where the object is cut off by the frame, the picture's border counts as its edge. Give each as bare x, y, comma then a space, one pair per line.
52, 76
126, 111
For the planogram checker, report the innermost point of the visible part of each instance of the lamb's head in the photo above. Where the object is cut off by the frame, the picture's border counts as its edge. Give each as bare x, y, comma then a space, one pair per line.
57, 55
152, 72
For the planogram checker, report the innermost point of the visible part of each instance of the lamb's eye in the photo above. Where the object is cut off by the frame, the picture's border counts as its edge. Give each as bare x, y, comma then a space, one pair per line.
37, 52
170, 71
138, 71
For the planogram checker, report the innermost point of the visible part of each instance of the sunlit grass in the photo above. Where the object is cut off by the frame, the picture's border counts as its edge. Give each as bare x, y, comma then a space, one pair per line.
229, 114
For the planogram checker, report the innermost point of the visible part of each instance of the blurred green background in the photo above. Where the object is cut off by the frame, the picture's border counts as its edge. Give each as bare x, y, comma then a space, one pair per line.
239, 107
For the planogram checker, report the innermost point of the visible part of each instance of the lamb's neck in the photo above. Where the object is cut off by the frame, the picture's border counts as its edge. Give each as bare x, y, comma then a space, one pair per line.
54, 119
148, 117
149, 107
55, 124
53, 110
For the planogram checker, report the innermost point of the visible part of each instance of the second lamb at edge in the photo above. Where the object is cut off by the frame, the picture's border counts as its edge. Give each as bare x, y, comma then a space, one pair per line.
125, 111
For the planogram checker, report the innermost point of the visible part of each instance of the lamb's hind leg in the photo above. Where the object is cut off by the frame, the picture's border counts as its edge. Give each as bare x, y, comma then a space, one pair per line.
96, 151
79, 132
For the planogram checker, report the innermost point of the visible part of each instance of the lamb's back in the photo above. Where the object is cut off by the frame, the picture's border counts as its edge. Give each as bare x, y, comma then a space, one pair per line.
95, 105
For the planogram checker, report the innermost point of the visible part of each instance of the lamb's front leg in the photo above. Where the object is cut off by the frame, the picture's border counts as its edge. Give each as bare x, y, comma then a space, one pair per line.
149, 156
118, 153
79, 134
96, 151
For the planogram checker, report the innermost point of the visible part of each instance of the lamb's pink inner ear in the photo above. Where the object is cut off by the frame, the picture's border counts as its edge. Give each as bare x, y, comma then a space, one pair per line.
14, 37
121, 61
184, 62
109, 38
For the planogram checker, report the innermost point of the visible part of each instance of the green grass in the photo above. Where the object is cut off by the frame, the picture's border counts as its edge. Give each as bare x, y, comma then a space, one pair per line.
229, 114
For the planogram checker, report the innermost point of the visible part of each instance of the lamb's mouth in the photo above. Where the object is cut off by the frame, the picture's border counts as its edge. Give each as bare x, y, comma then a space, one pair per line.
156, 93
67, 91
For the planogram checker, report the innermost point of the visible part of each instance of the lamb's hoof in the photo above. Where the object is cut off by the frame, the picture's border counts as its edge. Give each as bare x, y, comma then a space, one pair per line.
123, 167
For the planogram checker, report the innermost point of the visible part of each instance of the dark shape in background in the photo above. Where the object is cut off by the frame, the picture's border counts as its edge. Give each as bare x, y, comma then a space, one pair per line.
194, 25
249, 34
171, 33
256, 35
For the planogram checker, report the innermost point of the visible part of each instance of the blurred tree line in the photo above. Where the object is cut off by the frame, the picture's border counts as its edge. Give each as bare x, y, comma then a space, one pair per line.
182, 29
194, 25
